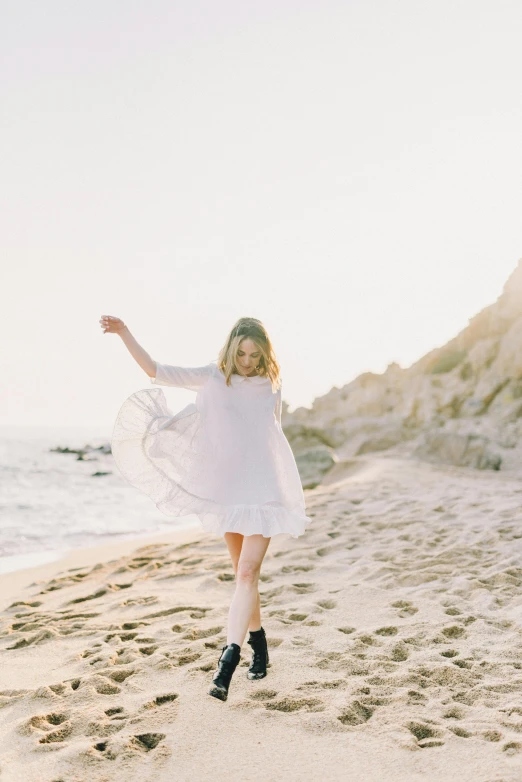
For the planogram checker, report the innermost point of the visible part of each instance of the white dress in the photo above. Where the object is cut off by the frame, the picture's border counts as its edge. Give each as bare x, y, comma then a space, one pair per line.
223, 458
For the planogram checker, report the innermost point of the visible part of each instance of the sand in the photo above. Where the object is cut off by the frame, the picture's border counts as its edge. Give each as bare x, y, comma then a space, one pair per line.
394, 627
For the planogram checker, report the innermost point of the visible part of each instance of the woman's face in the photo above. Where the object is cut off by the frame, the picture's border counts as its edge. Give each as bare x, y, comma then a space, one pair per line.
248, 357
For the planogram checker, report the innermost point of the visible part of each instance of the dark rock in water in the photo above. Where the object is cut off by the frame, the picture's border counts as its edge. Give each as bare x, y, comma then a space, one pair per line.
105, 448
59, 449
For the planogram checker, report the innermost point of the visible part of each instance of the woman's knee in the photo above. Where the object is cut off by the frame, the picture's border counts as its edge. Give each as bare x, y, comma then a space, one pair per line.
247, 572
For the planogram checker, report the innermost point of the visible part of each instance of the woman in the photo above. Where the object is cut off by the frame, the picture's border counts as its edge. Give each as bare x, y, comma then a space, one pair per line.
223, 458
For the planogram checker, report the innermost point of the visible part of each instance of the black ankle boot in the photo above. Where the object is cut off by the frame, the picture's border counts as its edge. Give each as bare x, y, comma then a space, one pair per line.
227, 663
259, 662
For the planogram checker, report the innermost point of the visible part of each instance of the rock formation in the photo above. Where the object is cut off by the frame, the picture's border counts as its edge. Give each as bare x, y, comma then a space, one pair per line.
460, 404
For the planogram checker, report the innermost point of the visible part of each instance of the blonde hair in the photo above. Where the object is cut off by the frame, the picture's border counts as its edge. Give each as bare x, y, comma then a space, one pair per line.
253, 329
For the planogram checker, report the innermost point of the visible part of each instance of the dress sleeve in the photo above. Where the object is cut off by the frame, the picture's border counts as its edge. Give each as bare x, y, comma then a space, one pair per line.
192, 378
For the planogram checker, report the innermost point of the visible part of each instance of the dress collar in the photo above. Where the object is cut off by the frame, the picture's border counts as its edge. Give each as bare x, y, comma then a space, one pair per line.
236, 379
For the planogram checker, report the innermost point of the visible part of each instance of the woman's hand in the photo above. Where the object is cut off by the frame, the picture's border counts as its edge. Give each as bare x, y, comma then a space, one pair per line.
111, 325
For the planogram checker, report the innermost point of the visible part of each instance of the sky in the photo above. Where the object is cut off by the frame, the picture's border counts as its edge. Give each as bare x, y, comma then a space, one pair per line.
350, 173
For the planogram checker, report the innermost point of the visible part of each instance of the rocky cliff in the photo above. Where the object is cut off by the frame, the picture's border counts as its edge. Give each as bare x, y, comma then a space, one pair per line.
460, 404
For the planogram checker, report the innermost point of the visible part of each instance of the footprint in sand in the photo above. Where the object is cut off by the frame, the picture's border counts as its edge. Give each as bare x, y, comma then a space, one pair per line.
55, 727
147, 741
41, 635
9, 697
116, 713
406, 608
25, 604
49, 627
328, 604
297, 568
263, 695
300, 640
140, 601
492, 735
141, 742
330, 684
460, 732
293, 615
195, 633
454, 631
303, 588
160, 700
399, 652
357, 713
415, 697
289, 704
297, 617
195, 612
348, 630
121, 635
512, 748
325, 550
286, 703
425, 735
48, 728
268, 595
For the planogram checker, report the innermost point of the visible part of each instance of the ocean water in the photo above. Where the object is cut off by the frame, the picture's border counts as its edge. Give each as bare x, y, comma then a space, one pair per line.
53, 502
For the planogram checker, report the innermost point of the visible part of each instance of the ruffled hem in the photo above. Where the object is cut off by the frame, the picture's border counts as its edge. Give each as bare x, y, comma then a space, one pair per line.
249, 520
145, 430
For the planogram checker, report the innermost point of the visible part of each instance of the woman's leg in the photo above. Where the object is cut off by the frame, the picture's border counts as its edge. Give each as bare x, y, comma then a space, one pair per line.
246, 596
234, 541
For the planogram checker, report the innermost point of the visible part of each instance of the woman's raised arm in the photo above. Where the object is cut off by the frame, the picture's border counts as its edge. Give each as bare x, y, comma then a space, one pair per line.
113, 325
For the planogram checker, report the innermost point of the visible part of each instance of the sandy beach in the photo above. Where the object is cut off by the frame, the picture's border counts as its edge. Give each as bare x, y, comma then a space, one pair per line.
394, 629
